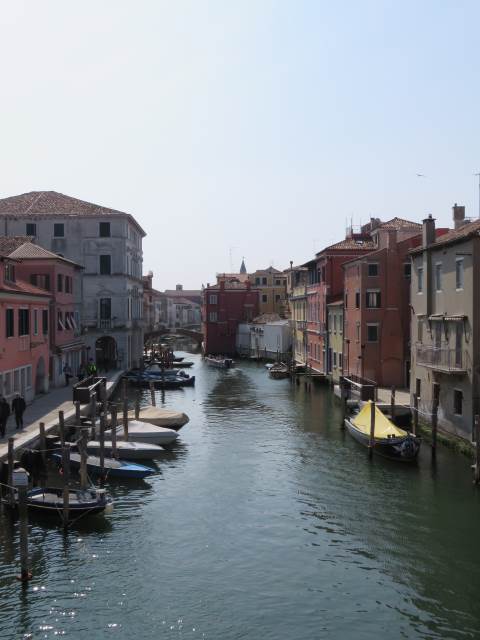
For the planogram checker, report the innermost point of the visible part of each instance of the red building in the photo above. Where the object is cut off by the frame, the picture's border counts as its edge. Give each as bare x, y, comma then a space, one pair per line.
24, 332
325, 284
377, 306
57, 275
224, 306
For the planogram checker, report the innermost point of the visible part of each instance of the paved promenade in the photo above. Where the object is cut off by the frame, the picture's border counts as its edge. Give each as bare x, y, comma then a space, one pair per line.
45, 409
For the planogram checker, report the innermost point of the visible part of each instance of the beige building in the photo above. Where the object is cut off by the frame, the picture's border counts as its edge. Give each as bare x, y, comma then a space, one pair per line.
445, 292
335, 340
297, 309
272, 284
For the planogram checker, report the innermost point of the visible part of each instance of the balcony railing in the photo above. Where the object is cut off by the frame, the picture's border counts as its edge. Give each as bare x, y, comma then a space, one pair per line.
24, 343
105, 324
301, 324
442, 358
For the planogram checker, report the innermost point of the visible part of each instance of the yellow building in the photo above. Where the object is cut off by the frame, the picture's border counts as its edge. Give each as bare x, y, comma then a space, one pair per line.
272, 284
335, 340
297, 304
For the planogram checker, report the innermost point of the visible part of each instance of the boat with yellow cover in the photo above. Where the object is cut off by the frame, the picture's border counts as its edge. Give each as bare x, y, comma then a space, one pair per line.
389, 440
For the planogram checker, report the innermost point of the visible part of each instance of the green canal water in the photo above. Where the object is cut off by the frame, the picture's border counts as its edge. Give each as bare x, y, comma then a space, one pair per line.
266, 522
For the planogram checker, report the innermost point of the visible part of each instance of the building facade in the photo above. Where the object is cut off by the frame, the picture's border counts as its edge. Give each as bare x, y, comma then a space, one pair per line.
272, 285
225, 306
108, 244
335, 340
445, 295
24, 334
265, 338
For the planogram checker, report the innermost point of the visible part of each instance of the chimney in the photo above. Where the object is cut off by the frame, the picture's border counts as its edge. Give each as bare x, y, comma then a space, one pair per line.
428, 231
179, 287
458, 215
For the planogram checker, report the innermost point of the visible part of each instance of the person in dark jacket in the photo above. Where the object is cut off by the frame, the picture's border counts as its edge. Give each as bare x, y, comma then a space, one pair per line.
18, 408
4, 413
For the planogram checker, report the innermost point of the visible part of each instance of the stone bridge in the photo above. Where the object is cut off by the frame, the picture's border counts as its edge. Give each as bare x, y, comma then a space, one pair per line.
194, 335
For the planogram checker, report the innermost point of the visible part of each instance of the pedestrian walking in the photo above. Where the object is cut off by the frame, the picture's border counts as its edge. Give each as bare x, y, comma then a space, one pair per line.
4, 413
18, 409
67, 370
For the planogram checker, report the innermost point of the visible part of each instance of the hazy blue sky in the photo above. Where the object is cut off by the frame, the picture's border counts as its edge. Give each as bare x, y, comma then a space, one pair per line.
259, 126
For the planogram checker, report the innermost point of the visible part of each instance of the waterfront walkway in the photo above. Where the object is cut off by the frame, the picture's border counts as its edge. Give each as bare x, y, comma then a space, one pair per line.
45, 409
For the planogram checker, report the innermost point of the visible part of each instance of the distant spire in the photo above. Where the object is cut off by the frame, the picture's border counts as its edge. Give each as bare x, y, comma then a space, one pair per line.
243, 268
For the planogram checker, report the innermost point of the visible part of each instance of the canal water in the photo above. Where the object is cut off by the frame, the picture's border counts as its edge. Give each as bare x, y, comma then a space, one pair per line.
266, 522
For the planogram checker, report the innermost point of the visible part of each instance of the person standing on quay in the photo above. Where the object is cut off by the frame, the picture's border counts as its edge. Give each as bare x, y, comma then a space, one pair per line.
18, 408
4, 413
67, 370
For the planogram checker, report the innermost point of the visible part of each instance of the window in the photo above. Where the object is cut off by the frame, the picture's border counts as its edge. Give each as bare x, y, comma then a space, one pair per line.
373, 299
45, 322
278, 283
407, 270
264, 298
457, 402
68, 284
23, 322
372, 269
340, 360
8, 383
105, 308
420, 279
40, 280
9, 323
357, 299
105, 265
372, 332
212, 316
35, 322
104, 229
420, 330
357, 331
459, 273
30, 229
264, 281
334, 359
59, 282
59, 230
438, 276
213, 299
418, 388
278, 298
335, 324
257, 280
9, 272
60, 325
346, 300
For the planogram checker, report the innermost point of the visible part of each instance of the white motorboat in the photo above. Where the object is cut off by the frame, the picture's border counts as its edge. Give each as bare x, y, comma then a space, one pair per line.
160, 417
127, 450
146, 432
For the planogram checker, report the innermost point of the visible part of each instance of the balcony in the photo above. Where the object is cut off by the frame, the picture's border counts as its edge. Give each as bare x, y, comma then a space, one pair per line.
442, 359
301, 324
105, 324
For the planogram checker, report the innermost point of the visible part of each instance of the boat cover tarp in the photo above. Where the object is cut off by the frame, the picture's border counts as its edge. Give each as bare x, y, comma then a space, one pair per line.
384, 428
160, 417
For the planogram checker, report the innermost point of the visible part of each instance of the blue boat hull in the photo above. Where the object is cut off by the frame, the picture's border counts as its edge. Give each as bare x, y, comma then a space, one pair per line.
113, 468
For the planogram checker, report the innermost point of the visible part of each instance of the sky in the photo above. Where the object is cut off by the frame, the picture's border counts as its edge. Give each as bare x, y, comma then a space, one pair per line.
252, 128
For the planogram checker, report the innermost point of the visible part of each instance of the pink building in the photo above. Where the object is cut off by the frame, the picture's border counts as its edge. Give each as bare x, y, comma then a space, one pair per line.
57, 275
24, 332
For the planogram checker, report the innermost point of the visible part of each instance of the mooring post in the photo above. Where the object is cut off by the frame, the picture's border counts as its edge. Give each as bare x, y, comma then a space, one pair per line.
415, 413
102, 447
43, 444
103, 395
66, 486
77, 412
83, 459
152, 393
114, 431
61, 424
10, 458
477, 450
93, 414
20, 482
371, 443
434, 427
125, 418
392, 403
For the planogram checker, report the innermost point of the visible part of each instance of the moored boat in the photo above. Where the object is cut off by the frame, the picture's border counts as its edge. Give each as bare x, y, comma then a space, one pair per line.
113, 468
389, 440
82, 502
127, 450
160, 417
278, 371
218, 361
145, 432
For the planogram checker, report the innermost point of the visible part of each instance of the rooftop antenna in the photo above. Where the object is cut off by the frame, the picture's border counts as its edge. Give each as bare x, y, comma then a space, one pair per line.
478, 176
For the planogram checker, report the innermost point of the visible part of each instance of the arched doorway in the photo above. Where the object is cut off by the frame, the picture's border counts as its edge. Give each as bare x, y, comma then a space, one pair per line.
106, 353
40, 386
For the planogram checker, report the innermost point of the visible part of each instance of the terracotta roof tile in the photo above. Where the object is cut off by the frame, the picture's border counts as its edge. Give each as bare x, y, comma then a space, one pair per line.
468, 230
351, 243
399, 224
11, 243
24, 287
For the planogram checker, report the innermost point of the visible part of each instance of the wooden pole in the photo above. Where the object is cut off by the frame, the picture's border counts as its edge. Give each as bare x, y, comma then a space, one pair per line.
83, 459
371, 444
152, 392
102, 447
415, 414
25, 574
61, 423
125, 418
10, 458
434, 427
392, 403
43, 444
477, 450
77, 412
93, 415
103, 395
114, 431
66, 487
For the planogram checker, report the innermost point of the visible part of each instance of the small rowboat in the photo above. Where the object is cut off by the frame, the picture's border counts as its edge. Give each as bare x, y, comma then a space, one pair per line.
81, 502
113, 468
145, 432
278, 371
221, 363
127, 450
389, 440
